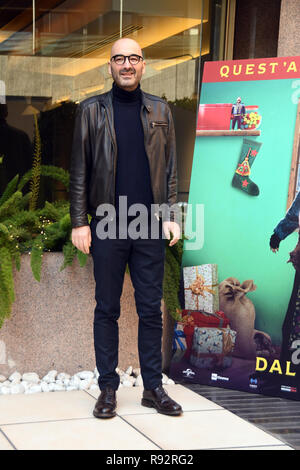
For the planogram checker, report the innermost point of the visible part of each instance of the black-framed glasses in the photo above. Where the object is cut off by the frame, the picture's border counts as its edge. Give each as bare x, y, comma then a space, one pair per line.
120, 59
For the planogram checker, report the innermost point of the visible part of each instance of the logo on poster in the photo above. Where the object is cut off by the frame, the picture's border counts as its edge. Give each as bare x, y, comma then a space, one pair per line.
253, 383
188, 373
219, 377
286, 388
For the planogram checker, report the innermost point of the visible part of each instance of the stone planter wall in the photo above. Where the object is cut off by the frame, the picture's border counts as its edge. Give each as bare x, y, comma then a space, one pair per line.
51, 325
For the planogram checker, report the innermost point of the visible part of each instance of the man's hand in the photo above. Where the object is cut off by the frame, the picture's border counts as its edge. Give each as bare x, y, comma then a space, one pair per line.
174, 228
81, 238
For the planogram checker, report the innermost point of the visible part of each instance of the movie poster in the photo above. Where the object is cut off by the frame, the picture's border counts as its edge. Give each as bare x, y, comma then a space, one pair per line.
239, 326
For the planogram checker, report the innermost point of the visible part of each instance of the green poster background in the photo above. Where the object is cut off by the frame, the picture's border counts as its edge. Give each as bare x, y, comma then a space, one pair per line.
238, 226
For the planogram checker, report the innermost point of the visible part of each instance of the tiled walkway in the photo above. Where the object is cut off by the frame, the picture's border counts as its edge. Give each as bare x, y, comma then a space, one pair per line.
278, 416
63, 420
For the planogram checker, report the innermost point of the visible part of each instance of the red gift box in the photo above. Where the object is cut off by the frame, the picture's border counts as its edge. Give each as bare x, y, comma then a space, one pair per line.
193, 318
217, 319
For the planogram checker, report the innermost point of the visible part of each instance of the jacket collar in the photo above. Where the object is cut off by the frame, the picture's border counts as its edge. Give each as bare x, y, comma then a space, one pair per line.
146, 102
107, 97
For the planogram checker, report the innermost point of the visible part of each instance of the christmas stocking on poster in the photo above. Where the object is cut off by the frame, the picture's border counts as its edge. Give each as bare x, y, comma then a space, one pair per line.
241, 179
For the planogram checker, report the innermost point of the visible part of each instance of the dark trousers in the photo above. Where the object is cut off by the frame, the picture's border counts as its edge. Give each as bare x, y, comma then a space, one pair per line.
145, 258
238, 120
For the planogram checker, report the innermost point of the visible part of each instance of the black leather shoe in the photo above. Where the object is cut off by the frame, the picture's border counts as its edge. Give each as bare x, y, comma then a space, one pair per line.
160, 400
106, 404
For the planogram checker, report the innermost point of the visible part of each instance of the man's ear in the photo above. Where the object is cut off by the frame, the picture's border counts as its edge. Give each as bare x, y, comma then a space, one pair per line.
144, 67
109, 67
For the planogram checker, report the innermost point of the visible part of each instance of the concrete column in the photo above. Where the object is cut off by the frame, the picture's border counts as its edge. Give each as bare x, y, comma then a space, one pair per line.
289, 29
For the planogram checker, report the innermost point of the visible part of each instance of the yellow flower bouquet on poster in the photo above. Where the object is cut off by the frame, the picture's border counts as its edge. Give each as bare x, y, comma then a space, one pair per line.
251, 119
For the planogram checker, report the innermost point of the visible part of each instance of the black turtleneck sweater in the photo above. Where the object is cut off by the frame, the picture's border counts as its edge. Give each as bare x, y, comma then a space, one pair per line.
133, 173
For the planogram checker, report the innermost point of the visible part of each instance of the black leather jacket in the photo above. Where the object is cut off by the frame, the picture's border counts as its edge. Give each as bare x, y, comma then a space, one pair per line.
94, 154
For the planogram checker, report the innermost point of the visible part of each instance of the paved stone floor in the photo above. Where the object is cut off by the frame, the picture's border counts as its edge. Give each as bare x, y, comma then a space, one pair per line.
63, 420
277, 416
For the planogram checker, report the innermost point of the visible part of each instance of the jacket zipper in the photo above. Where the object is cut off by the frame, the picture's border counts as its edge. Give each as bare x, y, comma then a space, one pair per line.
159, 124
145, 144
115, 155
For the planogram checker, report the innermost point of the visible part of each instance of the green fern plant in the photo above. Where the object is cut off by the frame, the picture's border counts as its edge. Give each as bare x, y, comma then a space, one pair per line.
36, 167
33, 231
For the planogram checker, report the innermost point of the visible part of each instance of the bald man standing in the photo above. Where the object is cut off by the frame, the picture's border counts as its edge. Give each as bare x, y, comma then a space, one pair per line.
124, 147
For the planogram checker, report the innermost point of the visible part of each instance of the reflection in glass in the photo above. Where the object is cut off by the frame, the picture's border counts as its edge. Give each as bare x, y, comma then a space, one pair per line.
15, 150
65, 60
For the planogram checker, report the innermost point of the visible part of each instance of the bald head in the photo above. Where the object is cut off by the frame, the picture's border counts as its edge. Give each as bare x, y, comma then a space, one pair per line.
126, 75
126, 46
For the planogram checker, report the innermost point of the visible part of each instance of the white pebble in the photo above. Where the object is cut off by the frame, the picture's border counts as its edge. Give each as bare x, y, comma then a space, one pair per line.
52, 372
17, 388
35, 388
26, 384
127, 378
85, 384
94, 387
136, 372
71, 388
31, 377
164, 378
73, 385
50, 377
138, 381
7, 383
86, 374
63, 376
75, 380
124, 377
127, 383
58, 387
83, 380
45, 387
15, 377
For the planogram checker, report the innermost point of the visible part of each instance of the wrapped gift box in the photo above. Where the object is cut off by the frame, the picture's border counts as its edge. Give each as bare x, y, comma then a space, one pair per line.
217, 319
201, 288
179, 343
211, 346
193, 318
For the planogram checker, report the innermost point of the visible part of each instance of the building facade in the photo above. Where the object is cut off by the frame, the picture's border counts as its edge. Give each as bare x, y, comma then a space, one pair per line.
54, 54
